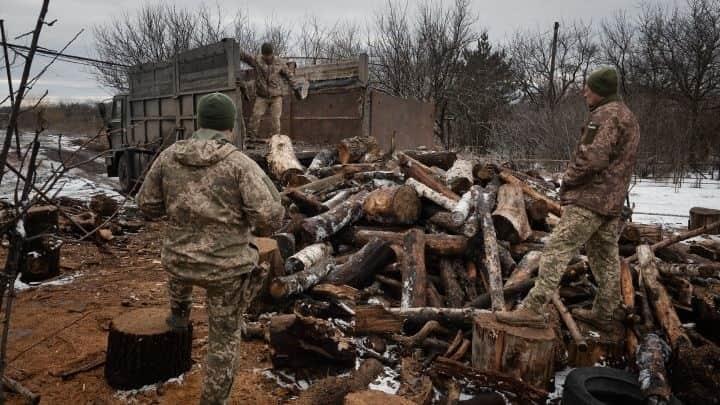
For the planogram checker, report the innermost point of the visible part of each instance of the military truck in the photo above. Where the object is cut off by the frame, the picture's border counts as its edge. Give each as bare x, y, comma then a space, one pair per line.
160, 108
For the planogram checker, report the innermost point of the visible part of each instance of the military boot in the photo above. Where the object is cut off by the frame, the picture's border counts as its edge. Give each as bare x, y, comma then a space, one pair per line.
179, 317
522, 317
609, 324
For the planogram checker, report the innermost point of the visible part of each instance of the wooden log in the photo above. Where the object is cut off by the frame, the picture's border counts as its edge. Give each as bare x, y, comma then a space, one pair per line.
491, 259
659, 298
537, 210
507, 262
339, 198
510, 218
332, 390
321, 227
348, 169
652, 357
514, 389
701, 217
324, 158
307, 257
299, 341
16, 387
444, 221
285, 243
443, 159
484, 172
434, 298
642, 233
413, 270
143, 349
430, 327
525, 353
307, 204
336, 292
299, 282
553, 205
678, 238
520, 287
451, 286
41, 254
690, 270
463, 208
414, 169
398, 205
526, 269
422, 315
362, 265
627, 289
374, 319
438, 244
283, 163
426, 192
352, 150
321, 185
373, 397
460, 176
569, 323
468, 283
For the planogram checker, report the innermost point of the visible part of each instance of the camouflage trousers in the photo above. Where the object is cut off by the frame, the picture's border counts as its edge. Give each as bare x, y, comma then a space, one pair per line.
600, 235
260, 108
227, 301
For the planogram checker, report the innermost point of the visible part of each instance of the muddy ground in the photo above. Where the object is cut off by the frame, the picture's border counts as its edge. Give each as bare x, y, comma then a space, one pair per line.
53, 325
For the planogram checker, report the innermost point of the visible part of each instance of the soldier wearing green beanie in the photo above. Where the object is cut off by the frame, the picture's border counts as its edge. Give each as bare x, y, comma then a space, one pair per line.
593, 191
213, 196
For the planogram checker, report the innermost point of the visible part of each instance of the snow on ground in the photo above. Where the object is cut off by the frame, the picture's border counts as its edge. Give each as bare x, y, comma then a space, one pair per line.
670, 204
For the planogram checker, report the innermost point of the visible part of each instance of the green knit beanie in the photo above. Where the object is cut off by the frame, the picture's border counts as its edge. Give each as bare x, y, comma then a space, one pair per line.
216, 111
603, 82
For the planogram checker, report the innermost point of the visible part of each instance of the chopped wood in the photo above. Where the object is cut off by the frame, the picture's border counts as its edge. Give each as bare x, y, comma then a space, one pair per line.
678, 238
374, 319
324, 158
521, 287
627, 290
332, 390
300, 341
642, 233
442, 159
352, 150
537, 210
321, 227
307, 204
301, 281
460, 176
463, 208
652, 357
413, 270
526, 269
510, 218
453, 292
283, 163
659, 298
429, 328
307, 257
426, 192
553, 205
338, 198
439, 244
433, 296
398, 205
461, 351
362, 265
580, 342
491, 259
337, 292
444, 315
702, 217
416, 170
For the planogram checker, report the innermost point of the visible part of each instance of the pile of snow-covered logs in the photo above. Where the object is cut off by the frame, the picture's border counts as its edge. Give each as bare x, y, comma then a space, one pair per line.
400, 258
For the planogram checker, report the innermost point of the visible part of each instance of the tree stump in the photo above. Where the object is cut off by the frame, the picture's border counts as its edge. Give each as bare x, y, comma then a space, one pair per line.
602, 348
41, 256
703, 216
143, 349
524, 353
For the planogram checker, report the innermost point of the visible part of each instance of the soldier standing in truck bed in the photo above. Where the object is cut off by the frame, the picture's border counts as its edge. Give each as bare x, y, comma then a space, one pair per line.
592, 194
270, 72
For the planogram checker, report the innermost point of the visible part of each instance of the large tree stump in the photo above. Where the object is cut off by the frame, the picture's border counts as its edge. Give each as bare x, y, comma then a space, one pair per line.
642, 233
398, 205
524, 353
143, 349
703, 216
510, 218
283, 163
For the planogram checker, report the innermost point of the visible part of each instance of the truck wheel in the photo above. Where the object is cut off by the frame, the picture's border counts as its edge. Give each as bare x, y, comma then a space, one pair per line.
124, 175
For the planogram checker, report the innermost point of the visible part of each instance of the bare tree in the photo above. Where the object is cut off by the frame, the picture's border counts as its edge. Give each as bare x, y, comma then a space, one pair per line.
619, 46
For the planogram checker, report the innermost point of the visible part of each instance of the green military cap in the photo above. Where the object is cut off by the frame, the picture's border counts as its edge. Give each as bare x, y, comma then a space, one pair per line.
216, 111
603, 82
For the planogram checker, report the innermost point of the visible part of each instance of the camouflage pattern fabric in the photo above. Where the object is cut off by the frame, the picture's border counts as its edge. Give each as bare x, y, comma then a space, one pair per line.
269, 77
259, 109
599, 173
212, 194
600, 235
227, 301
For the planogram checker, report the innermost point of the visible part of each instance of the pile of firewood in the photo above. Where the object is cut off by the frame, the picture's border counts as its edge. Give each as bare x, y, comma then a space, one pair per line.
400, 258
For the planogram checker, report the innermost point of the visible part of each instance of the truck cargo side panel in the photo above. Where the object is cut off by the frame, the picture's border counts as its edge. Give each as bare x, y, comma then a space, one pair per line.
410, 120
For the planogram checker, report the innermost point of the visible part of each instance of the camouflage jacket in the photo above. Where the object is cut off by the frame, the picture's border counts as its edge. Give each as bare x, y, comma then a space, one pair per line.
269, 79
599, 173
212, 194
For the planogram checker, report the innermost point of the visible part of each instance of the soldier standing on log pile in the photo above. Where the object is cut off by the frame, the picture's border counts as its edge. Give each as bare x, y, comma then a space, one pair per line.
270, 72
212, 194
592, 194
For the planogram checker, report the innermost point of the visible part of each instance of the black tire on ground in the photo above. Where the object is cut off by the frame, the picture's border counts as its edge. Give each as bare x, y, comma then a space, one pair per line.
603, 386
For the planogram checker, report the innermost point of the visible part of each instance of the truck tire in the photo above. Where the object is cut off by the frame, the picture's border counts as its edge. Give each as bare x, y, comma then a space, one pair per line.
603, 386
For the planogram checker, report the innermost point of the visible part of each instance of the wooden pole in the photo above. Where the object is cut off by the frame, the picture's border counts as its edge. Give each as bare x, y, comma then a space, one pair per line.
570, 323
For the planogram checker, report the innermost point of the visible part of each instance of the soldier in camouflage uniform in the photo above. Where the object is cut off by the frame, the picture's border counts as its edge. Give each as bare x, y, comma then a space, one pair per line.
212, 194
270, 72
594, 188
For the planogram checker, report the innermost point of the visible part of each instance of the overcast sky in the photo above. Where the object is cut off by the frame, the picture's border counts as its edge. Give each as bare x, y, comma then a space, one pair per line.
66, 81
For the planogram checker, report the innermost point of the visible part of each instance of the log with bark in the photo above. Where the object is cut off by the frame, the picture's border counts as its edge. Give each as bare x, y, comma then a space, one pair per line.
422, 315
526, 269
464, 207
321, 227
374, 319
332, 390
659, 298
143, 349
442, 159
580, 342
678, 238
301, 281
352, 150
362, 265
491, 259
642, 233
449, 280
398, 205
701, 217
283, 163
428, 193
414, 274
307, 204
439, 244
299, 341
308, 257
553, 205
510, 217
652, 356
520, 287
324, 158
460, 176
416, 170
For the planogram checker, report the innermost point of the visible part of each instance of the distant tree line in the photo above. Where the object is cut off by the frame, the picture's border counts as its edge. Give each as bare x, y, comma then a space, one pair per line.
493, 98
